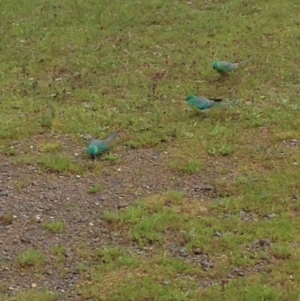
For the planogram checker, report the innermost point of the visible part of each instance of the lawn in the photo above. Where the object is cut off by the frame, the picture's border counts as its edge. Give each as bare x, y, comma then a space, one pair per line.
186, 205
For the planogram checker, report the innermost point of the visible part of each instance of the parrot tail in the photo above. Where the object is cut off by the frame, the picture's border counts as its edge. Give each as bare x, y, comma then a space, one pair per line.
112, 137
225, 104
242, 63
216, 99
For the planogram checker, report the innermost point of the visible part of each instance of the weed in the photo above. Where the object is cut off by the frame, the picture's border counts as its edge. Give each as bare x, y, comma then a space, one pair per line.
187, 165
30, 257
95, 189
112, 158
60, 253
34, 295
51, 147
9, 151
6, 219
82, 267
55, 226
58, 250
59, 163
4, 288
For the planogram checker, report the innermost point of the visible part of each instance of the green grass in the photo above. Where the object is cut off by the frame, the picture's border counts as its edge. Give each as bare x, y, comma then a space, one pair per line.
34, 295
30, 257
95, 189
51, 147
6, 219
55, 226
70, 68
58, 250
59, 163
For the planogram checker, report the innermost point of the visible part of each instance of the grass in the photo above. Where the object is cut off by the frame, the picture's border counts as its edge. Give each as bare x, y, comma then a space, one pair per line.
59, 163
34, 295
51, 147
55, 226
165, 223
6, 219
98, 67
95, 189
30, 257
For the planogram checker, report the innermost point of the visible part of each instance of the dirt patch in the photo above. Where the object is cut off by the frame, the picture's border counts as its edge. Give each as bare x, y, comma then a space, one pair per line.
33, 197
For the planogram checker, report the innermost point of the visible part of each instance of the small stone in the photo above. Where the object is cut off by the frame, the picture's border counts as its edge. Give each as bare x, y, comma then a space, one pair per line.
218, 234
102, 197
265, 242
183, 252
198, 251
87, 136
4, 193
25, 239
254, 243
33, 285
205, 264
205, 187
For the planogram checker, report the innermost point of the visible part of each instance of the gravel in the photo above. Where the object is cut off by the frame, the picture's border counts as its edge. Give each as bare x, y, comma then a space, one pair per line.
32, 197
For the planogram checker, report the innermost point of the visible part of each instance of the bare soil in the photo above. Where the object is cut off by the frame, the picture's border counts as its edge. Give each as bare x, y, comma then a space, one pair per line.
44, 196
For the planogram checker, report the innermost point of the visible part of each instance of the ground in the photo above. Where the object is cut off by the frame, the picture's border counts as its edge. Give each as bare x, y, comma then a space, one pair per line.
185, 205
45, 197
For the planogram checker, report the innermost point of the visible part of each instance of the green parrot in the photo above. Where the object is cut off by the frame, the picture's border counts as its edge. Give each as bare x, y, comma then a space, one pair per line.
224, 67
96, 147
203, 104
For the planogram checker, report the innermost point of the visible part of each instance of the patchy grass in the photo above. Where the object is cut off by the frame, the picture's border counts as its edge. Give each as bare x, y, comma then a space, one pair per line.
34, 295
58, 250
149, 219
6, 219
98, 66
51, 147
4, 288
195, 245
60, 163
95, 189
55, 226
30, 257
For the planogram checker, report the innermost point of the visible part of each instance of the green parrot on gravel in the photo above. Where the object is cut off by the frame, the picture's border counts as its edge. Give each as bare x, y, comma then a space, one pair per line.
96, 147
203, 104
224, 67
